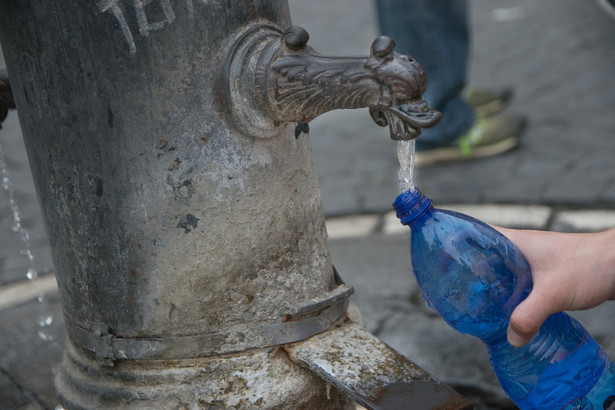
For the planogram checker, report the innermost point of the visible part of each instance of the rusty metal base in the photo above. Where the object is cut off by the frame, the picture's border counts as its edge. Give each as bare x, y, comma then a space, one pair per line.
263, 378
371, 372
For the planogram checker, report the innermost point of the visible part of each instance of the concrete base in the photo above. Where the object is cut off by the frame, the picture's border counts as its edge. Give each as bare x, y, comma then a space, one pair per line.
265, 379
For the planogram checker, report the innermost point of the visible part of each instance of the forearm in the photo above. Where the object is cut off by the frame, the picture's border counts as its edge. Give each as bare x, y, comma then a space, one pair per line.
605, 259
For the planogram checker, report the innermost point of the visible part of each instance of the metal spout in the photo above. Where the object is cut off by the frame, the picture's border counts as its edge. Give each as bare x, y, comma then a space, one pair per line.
292, 83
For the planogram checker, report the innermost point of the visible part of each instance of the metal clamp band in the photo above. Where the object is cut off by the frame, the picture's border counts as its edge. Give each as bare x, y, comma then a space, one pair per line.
109, 348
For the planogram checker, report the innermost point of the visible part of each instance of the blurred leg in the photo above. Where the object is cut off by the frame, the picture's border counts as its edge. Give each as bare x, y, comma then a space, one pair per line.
435, 33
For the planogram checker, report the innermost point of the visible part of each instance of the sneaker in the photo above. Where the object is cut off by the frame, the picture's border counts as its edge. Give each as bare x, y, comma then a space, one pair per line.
608, 6
486, 102
488, 137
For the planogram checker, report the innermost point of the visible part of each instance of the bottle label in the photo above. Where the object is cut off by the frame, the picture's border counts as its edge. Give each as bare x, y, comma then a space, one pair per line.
579, 404
601, 397
584, 404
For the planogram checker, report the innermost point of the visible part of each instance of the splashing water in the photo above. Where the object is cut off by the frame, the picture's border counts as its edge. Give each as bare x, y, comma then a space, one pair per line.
405, 155
17, 227
45, 320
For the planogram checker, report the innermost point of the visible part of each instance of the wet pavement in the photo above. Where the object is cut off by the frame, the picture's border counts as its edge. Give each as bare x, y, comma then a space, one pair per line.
558, 54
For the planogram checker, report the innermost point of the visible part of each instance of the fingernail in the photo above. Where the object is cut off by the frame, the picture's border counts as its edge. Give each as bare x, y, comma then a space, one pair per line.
514, 338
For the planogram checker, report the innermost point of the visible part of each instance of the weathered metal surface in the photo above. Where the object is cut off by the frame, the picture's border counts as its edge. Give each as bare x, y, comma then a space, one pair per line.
263, 379
179, 194
109, 348
164, 221
375, 375
295, 84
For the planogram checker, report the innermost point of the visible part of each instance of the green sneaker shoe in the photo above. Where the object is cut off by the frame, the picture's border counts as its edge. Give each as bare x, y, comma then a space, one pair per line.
486, 102
488, 137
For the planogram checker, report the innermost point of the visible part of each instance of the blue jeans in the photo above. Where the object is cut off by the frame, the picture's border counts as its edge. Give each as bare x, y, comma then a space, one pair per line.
435, 33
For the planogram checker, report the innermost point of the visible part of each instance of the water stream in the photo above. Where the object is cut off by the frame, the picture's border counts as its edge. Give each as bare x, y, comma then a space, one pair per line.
405, 155
17, 227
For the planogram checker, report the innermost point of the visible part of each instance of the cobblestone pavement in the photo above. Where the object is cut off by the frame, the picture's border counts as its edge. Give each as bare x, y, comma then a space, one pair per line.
558, 54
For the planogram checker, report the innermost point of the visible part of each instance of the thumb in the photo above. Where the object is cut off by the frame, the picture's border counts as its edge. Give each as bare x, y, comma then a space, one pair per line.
526, 319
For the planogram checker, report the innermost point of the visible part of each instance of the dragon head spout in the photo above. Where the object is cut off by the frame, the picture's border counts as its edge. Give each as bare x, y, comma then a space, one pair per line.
402, 83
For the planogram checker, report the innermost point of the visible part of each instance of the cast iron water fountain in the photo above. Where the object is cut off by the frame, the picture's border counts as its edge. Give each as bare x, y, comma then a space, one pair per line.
169, 151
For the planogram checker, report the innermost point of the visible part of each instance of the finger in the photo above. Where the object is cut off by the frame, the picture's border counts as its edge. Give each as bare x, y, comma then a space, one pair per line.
526, 319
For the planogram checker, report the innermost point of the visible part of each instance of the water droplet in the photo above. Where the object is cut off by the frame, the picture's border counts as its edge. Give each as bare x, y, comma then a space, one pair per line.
45, 320
17, 227
45, 336
41, 298
6, 183
32, 274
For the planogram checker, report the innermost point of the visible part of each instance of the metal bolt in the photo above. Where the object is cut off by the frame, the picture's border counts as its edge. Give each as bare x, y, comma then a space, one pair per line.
296, 37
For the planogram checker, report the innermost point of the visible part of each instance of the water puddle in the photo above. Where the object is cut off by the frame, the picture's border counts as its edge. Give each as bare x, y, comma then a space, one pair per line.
17, 227
405, 155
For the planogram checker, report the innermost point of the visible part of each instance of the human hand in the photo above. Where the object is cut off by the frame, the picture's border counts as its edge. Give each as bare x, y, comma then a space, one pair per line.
569, 272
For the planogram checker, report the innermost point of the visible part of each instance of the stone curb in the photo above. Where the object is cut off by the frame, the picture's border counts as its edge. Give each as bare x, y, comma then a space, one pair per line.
19, 292
540, 217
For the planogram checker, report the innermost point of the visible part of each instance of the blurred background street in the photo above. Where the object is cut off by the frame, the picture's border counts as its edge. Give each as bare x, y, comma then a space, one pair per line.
559, 55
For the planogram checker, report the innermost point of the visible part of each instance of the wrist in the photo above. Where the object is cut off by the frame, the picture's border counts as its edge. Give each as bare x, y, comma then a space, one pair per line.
605, 242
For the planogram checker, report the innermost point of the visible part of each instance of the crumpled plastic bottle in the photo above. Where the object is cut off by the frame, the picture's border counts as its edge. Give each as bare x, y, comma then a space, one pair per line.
475, 277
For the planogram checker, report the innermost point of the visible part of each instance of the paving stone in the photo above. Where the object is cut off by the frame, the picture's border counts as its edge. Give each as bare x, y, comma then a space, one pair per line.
352, 226
584, 220
377, 266
23, 291
508, 216
28, 359
14, 396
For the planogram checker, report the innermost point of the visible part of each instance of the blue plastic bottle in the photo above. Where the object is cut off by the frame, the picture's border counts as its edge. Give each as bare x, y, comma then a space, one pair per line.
475, 277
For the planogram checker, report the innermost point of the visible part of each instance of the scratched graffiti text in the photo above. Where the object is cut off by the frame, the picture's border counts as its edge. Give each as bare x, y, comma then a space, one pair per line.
140, 8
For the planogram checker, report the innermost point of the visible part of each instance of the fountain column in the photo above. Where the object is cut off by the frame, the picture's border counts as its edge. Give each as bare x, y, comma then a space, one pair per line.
190, 250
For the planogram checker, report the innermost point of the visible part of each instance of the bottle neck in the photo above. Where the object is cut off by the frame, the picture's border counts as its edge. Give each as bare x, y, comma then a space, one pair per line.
410, 205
